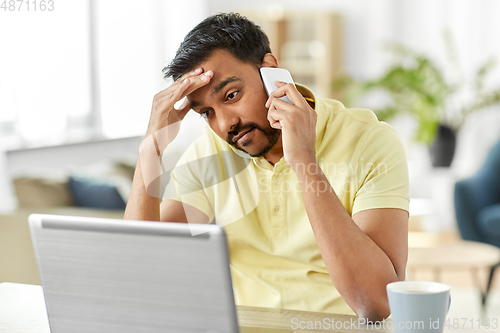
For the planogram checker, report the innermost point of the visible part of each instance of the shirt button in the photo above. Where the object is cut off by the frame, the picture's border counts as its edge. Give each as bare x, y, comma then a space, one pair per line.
277, 209
277, 181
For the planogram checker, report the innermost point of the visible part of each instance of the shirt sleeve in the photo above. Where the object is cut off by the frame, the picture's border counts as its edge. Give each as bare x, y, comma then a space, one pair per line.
384, 178
186, 185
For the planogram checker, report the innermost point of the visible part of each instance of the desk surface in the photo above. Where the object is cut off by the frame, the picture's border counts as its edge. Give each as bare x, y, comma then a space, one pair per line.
22, 310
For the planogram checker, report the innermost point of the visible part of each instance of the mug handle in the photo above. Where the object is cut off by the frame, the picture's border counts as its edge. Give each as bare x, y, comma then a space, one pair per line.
449, 304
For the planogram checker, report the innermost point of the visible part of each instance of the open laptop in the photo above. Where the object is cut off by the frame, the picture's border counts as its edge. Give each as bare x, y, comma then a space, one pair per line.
107, 275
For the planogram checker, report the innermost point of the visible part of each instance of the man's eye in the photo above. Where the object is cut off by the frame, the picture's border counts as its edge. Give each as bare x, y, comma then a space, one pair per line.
206, 113
232, 95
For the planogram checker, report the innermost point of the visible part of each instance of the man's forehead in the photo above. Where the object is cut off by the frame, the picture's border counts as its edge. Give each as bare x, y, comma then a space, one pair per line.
224, 82
215, 86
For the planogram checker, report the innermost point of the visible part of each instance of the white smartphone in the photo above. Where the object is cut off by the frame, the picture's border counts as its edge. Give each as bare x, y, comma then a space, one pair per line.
270, 75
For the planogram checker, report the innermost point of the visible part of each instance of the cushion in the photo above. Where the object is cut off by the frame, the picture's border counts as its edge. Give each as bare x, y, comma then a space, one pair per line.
489, 220
95, 192
38, 192
124, 169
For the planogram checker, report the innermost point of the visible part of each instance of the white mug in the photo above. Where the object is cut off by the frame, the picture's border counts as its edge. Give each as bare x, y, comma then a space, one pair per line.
418, 306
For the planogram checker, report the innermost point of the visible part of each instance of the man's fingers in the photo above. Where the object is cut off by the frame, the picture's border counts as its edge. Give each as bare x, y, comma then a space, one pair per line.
177, 93
181, 82
277, 118
195, 72
279, 104
188, 85
289, 90
198, 81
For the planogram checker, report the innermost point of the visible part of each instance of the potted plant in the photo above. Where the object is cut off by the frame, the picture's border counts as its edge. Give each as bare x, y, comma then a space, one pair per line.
440, 104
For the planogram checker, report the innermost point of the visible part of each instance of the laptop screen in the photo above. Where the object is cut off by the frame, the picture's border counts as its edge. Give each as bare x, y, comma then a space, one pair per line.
106, 275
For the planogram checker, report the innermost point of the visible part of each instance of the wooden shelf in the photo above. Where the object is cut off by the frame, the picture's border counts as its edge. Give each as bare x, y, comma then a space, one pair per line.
307, 43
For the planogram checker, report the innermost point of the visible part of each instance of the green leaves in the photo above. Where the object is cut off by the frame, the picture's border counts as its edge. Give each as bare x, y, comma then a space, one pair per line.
417, 86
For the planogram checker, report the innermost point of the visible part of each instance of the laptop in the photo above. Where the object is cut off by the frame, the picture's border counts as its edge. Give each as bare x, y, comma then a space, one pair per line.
107, 275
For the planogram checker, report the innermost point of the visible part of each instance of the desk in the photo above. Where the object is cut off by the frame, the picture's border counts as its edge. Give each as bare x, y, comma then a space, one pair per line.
22, 310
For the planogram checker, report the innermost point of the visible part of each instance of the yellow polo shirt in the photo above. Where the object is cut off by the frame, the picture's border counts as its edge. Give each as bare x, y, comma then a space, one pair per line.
275, 260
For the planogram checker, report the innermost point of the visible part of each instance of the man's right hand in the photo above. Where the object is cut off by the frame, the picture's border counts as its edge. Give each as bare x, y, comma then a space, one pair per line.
164, 122
163, 127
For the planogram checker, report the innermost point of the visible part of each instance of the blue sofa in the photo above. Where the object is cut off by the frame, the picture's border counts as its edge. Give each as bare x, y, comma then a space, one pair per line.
477, 205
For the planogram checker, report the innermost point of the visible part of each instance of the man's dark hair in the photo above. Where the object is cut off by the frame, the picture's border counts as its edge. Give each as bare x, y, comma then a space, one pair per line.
227, 31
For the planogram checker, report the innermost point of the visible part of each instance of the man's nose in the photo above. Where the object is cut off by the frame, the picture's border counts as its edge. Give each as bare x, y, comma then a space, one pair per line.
227, 120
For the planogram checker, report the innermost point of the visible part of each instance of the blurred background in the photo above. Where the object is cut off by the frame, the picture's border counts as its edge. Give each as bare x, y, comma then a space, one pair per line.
77, 79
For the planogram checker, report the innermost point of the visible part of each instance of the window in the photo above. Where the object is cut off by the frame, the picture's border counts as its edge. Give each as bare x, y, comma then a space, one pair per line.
87, 68
44, 71
135, 41
130, 57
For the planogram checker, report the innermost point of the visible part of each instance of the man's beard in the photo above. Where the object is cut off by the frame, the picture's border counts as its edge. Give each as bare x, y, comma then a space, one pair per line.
272, 135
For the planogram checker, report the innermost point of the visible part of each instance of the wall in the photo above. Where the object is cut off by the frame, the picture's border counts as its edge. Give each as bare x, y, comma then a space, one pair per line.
367, 24
417, 23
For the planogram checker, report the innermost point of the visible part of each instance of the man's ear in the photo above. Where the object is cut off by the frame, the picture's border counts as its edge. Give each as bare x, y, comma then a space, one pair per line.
269, 61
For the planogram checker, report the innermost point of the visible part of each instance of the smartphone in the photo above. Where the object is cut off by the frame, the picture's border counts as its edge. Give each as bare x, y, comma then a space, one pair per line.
270, 75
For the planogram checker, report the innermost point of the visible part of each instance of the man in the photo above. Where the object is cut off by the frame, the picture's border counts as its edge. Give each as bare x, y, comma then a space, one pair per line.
335, 235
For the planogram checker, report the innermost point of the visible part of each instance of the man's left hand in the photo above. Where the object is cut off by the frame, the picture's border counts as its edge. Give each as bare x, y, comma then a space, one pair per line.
297, 123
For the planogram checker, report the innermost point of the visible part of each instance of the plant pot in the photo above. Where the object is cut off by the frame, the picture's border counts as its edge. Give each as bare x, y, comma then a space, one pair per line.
442, 149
